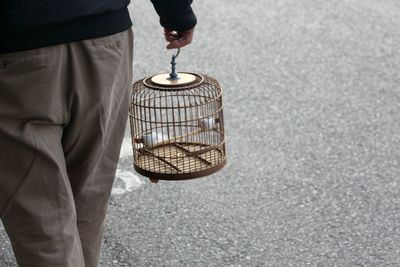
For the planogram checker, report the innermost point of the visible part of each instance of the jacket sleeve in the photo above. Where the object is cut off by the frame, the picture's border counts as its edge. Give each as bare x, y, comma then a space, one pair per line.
175, 15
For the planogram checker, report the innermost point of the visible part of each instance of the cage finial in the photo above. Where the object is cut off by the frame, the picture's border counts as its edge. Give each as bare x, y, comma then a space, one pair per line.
173, 75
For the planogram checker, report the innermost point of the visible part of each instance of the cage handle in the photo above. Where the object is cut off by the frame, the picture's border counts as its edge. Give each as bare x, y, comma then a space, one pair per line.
173, 76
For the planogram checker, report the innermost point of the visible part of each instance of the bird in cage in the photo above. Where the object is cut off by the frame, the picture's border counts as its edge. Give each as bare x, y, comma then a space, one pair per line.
208, 123
152, 139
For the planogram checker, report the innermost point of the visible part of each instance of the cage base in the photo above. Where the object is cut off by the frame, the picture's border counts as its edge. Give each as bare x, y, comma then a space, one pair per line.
154, 176
179, 161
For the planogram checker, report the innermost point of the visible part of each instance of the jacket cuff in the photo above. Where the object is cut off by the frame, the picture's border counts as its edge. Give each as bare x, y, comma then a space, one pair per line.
182, 23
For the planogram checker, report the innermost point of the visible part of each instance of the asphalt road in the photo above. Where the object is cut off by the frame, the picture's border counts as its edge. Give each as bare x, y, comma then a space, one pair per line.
312, 106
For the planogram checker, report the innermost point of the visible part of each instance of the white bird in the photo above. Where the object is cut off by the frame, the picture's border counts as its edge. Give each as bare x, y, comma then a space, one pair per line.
208, 123
153, 138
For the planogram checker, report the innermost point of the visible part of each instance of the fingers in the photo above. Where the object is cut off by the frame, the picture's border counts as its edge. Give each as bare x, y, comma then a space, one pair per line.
178, 39
178, 43
170, 35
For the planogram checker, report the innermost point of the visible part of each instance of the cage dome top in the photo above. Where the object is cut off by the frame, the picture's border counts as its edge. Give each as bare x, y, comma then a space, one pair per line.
203, 91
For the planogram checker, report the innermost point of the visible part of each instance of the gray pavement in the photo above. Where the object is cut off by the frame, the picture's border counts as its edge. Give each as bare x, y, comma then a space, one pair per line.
312, 103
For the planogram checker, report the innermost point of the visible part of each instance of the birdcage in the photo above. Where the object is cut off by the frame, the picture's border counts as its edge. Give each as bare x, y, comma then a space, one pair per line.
177, 126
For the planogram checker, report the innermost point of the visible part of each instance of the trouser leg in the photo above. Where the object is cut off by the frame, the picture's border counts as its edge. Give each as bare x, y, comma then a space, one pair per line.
63, 111
36, 201
102, 71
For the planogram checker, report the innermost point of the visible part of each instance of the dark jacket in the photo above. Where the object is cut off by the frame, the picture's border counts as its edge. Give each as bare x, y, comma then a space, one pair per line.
28, 24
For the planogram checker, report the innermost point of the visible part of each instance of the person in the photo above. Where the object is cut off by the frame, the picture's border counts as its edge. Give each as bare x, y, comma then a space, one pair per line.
65, 78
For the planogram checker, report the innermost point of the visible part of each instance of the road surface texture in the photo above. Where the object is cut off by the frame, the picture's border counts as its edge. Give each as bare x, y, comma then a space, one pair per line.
312, 106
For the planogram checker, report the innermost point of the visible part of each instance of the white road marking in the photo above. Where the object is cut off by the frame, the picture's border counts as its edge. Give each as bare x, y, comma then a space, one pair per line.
126, 149
131, 181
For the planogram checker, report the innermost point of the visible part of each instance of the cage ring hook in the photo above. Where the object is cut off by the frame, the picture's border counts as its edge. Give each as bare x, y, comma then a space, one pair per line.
177, 53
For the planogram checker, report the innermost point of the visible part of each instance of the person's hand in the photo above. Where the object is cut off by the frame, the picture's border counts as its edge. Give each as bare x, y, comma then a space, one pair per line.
178, 39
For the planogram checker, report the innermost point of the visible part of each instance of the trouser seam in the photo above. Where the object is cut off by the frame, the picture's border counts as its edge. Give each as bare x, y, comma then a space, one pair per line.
22, 181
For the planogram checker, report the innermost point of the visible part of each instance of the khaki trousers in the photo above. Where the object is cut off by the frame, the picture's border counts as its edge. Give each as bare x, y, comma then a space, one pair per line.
63, 113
